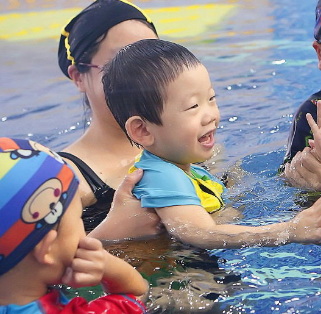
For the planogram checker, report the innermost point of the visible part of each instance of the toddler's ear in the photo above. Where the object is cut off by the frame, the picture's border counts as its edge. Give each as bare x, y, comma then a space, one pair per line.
137, 129
42, 251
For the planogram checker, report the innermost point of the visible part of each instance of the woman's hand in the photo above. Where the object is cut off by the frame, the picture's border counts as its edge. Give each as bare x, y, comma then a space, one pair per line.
127, 219
316, 130
306, 226
304, 171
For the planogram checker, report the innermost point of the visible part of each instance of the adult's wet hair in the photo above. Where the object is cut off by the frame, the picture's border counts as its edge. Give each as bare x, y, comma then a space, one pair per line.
135, 80
317, 27
80, 38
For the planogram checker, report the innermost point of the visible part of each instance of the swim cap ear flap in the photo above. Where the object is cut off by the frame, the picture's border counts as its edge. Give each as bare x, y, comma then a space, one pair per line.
91, 23
36, 189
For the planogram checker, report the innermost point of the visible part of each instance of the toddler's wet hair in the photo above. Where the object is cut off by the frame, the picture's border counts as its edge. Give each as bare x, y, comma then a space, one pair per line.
135, 80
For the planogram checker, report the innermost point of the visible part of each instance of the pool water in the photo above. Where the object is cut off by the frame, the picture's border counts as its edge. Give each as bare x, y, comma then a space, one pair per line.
263, 66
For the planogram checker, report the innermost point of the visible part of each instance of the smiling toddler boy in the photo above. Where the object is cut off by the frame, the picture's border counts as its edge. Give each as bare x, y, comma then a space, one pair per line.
162, 97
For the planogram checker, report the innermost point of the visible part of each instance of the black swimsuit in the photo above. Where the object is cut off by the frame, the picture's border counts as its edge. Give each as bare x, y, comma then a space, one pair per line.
94, 214
300, 132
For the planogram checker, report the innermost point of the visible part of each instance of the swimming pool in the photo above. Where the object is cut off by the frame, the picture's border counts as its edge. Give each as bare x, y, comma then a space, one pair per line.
262, 66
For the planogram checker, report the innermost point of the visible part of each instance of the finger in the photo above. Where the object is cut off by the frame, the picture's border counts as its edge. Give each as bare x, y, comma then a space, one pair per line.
88, 264
295, 162
129, 182
289, 172
316, 160
309, 159
79, 279
292, 174
319, 113
309, 172
298, 179
314, 127
90, 255
311, 162
67, 277
300, 163
318, 202
303, 173
311, 143
91, 244
83, 280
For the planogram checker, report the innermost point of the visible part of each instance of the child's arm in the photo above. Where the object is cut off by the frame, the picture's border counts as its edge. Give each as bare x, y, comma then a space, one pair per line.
120, 277
93, 265
193, 225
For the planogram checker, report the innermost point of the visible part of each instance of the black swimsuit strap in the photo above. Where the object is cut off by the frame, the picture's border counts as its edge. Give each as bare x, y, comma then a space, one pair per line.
96, 184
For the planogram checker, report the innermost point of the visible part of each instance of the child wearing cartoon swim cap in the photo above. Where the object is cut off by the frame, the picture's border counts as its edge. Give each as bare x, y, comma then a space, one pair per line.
43, 242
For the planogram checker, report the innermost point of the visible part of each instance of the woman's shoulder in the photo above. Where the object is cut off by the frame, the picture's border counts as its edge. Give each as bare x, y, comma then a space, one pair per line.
309, 105
100, 190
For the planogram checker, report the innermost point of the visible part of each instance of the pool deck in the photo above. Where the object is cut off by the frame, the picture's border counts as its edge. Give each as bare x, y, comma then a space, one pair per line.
35, 20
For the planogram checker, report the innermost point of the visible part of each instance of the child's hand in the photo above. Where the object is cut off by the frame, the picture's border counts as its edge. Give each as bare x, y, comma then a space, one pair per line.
87, 268
306, 226
316, 130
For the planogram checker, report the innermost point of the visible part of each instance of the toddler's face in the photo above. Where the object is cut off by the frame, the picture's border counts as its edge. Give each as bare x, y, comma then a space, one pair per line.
190, 119
70, 230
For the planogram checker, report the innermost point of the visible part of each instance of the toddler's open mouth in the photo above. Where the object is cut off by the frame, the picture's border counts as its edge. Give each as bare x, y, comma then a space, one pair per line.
207, 139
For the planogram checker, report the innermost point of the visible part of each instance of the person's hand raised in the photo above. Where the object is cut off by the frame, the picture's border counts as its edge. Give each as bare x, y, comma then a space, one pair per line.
315, 144
304, 171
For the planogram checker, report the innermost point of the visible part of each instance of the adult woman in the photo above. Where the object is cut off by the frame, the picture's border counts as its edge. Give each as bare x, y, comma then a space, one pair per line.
103, 154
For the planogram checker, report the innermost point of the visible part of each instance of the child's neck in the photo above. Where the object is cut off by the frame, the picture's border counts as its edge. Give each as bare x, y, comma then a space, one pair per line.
185, 167
20, 289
